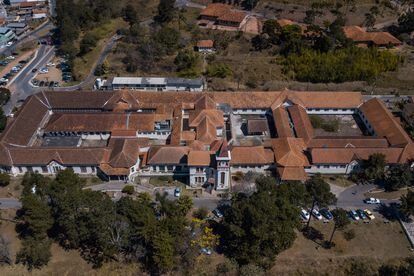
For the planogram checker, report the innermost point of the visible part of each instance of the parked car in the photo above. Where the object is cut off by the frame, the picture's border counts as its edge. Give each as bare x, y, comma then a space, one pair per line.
326, 213
217, 213
34, 70
10, 57
44, 70
4, 62
10, 43
369, 214
353, 215
177, 192
372, 200
304, 214
206, 251
361, 214
50, 64
23, 61
316, 214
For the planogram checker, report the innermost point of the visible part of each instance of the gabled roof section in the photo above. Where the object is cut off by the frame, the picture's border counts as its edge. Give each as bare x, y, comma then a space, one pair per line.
251, 156
384, 123
302, 124
281, 119
124, 152
199, 158
121, 100
224, 150
159, 155
289, 152
286, 96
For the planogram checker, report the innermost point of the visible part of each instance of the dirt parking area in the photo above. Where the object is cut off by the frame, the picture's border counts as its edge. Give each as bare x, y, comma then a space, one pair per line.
54, 74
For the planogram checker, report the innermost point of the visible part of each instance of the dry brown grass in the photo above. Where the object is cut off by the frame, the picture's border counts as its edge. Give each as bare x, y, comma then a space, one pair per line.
374, 243
14, 189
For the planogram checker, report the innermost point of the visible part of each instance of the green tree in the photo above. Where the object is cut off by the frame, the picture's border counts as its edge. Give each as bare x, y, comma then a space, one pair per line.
36, 218
264, 220
166, 11
272, 29
128, 189
218, 70
407, 204
341, 220
398, 176
4, 95
374, 167
185, 60
88, 42
162, 251
185, 204
320, 193
3, 120
4, 179
130, 14
34, 253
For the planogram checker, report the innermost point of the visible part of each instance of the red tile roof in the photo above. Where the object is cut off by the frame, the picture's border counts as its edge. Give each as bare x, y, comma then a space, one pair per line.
358, 34
251, 156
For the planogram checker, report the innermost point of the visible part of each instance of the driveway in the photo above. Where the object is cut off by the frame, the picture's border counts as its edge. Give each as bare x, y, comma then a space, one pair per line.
352, 197
10, 203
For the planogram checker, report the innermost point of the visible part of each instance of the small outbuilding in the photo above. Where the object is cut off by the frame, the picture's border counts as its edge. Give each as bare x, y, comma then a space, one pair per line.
205, 46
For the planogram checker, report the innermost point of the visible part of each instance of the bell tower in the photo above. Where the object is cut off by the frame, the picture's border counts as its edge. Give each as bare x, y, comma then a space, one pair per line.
223, 158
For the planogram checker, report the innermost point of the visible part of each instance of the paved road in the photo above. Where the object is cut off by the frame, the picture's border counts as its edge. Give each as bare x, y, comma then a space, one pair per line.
90, 79
352, 198
21, 89
10, 203
29, 36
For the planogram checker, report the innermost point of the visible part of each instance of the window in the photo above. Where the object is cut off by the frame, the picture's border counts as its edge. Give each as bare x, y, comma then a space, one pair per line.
30, 169
162, 168
83, 169
170, 168
199, 170
44, 169
93, 169
222, 177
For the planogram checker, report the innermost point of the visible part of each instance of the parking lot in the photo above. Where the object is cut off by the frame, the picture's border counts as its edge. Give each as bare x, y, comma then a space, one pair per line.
54, 74
12, 65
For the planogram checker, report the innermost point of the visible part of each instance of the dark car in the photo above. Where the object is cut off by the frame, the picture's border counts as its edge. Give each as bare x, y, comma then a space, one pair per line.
23, 62
41, 83
34, 70
361, 214
326, 213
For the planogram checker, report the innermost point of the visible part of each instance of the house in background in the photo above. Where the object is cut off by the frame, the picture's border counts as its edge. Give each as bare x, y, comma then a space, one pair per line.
368, 39
205, 46
221, 15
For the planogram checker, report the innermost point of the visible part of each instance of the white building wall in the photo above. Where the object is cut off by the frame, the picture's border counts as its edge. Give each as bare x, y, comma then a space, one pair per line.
154, 134
331, 111
250, 111
246, 169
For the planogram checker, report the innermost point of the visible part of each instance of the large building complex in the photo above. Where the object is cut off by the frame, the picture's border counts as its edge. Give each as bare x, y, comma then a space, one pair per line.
205, 137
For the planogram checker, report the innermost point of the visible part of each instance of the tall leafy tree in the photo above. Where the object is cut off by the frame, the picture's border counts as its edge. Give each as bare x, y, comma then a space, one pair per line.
341, 220
407, 204
166, 11
258, 227
399, 176
320, 193
374, 167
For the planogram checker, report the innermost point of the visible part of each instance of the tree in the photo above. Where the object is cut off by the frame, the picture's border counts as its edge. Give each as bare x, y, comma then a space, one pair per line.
185, 60
166, 11
162, 251
320, 193
3, 120
399, 176
218, 70
341, 220
272, 29
35, 216
4, 179
201, 213
130, 14
88, 42
34, 253
374, 167
264, 220
407, 204
185, 204
128, 189
4, 95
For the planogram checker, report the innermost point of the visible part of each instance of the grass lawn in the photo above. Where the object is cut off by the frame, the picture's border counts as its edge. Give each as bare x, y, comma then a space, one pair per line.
339, 181
166, 181
374, 243
83, 65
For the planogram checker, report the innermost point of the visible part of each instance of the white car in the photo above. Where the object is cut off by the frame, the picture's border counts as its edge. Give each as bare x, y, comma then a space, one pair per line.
372, 200
177, 192
304, 214
44, 71
10, 57
316, 214
9, 44
4, 80
217, 213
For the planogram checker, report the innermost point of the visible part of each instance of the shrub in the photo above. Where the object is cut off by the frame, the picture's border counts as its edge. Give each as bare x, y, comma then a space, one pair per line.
201, 213
349, 235
4, 179
128, 189
316, 121
349, 64
219, 70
